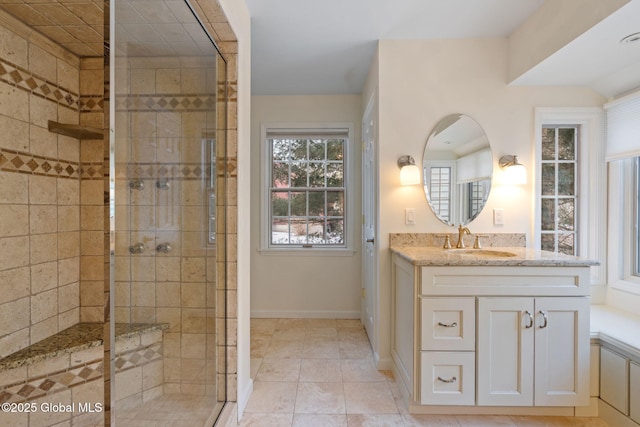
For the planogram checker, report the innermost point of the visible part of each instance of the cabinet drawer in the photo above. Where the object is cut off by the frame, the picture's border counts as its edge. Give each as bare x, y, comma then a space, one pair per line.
447, 378
513, 281
614, 375
634, 391
448, 324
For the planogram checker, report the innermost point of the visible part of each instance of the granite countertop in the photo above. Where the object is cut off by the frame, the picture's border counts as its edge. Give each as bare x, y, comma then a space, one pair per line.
493, 256
76, 338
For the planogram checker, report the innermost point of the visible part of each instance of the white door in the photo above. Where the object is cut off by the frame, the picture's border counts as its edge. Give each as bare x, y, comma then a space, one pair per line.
369, 221
562, 351
505, 351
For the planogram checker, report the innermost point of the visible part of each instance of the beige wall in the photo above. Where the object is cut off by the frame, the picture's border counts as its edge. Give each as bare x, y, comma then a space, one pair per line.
299, 285
39, 189
419, 83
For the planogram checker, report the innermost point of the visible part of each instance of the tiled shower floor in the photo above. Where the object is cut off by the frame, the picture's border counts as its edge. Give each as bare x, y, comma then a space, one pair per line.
319, 372
169, 410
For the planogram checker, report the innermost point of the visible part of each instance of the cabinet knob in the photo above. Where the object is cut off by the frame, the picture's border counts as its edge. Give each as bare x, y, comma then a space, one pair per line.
450, 381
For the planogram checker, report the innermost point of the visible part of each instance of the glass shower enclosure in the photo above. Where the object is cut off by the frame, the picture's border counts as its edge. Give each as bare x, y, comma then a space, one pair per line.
167, 119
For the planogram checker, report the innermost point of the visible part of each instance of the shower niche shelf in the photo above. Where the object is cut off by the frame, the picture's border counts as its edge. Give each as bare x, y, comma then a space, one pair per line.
75, 131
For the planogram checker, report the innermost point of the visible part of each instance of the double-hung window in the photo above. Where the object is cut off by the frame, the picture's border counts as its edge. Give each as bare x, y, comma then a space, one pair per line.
307, 187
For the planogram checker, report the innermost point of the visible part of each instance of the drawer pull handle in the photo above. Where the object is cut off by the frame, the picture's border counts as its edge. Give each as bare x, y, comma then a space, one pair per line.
544, 317
451, 325
452, 380
530, 325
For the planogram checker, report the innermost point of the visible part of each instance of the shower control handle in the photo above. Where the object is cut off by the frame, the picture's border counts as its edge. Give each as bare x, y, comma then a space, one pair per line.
165, 248
138, 248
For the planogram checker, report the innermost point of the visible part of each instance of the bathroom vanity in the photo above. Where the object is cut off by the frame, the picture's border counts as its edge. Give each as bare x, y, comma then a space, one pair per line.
499, 330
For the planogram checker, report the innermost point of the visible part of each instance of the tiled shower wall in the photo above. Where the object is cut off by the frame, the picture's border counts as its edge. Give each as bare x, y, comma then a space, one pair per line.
39, 188
165, 116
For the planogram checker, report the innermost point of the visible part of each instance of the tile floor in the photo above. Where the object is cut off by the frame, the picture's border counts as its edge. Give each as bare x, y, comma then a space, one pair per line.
320, 372
169, 410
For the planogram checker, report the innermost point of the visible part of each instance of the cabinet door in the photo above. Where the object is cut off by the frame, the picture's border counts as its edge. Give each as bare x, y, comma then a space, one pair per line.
562, 351
614, 380
634, 391
505, 351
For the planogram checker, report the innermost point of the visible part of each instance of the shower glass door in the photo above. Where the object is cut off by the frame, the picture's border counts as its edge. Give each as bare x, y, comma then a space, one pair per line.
167, 120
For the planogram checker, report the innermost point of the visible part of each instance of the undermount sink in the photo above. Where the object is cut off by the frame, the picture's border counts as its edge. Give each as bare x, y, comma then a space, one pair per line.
487, 253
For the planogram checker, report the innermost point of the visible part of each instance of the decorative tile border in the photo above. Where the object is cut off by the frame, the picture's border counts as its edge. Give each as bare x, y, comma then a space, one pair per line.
23, 79
174, 171
52, 382
168, 102
16, 161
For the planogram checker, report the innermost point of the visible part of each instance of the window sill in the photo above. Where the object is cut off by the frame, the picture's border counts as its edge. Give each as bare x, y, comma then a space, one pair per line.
629, 285
288, 252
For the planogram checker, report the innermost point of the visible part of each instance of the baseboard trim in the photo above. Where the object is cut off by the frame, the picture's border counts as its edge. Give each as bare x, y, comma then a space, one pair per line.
305, 314
612, 416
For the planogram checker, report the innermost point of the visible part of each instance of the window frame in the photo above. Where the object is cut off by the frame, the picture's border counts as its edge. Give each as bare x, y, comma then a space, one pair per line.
265, 188
591, 176
622, 186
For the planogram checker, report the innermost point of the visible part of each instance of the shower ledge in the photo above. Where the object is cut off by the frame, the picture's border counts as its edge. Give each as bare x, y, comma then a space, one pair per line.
78, 337
75, 131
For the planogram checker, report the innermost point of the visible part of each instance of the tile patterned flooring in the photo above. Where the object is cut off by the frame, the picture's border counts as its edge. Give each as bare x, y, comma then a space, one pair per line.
320, 372
169, 410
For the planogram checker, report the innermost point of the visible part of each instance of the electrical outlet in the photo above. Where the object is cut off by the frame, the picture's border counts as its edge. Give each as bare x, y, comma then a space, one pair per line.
498, 217
410, 216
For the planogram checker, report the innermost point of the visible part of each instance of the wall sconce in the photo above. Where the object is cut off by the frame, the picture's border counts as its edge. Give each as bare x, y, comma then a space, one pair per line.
409, 172
514, 172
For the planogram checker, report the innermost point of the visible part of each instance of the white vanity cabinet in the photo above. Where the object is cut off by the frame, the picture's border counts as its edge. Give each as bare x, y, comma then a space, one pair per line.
481, 333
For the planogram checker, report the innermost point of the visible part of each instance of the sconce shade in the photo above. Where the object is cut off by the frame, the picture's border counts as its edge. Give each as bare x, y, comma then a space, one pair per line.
514, 172
409, 172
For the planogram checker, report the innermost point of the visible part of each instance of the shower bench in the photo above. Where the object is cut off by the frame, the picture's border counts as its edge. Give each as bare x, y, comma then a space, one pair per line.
59, 378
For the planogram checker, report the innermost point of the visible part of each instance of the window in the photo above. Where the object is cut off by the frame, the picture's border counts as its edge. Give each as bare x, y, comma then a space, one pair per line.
636, 216
307, 191
558, 189
440, 190
572, 186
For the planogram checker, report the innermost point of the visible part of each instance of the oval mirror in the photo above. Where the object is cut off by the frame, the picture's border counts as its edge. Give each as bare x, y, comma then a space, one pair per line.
457, 168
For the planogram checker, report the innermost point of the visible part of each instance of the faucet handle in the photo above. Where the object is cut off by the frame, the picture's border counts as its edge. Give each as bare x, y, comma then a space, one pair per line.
476, 244
447, 242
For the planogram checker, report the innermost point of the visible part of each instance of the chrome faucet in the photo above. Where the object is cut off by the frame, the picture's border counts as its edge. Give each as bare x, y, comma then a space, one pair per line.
461, 232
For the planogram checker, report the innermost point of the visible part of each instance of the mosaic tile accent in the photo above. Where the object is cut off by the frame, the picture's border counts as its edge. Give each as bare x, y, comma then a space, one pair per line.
15, 161
178, 102
174, 171
23, 79
138, 357
91, 104
52, 382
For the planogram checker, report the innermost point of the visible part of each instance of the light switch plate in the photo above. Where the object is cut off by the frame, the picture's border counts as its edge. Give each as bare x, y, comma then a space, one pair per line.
410, 216
498, 217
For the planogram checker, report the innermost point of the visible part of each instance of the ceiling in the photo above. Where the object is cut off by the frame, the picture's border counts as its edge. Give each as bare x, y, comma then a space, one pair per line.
326, 47
302, 47
144, 27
